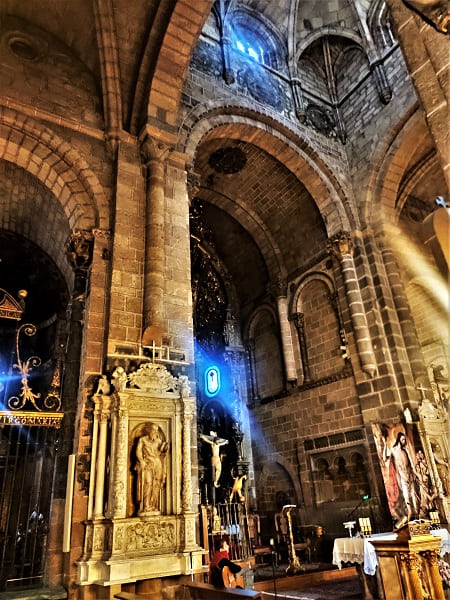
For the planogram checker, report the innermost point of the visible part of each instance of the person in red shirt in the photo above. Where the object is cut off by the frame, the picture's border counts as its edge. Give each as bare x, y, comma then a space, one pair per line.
223, 572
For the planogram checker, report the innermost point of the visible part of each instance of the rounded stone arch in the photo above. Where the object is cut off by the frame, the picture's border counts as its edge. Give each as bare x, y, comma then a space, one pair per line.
253, 225
328, 30
253, 320
389, 163
285, 145
290, 471
57, 166
306, 280
174, 57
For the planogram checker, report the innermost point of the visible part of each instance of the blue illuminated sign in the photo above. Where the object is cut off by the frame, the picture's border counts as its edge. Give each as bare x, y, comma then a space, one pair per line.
212, 381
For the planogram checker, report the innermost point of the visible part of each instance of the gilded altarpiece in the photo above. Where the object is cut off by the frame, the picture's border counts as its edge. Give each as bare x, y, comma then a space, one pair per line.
131, 536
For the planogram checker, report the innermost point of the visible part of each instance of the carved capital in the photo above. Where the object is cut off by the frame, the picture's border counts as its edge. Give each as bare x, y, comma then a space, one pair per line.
278, 288
193, 183
412, 560
432, 557
154, 150
299, 320
79, 249
102, 234
340, 245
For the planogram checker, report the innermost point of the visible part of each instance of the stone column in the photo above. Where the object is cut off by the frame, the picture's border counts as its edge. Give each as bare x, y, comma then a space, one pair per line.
341, 247
299, 322
412, 346
279, 290
155, 154
119, 462
92, 477
250, 347
101, 459
186, 493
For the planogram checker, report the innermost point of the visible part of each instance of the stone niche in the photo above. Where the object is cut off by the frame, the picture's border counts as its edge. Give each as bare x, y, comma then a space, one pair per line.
132, 532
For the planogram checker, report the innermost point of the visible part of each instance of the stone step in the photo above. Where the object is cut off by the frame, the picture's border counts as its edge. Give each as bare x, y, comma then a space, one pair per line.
47, 593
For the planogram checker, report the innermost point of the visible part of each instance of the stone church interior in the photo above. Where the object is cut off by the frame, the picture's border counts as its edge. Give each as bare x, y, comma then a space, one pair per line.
224, 251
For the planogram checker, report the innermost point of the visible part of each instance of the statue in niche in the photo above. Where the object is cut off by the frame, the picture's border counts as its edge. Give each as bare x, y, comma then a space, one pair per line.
151, 451
216, 460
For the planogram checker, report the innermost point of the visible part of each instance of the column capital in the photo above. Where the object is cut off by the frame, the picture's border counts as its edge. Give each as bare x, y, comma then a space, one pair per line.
102, 234
299, 319
193, 182
340, 244
278, 287
152, 149
79, 249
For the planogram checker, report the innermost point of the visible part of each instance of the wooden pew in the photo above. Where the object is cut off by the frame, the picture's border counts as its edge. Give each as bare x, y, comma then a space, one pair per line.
131, 596
206, 591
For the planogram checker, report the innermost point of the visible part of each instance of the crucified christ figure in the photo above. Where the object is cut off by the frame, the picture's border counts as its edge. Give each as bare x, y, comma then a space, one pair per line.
216, 461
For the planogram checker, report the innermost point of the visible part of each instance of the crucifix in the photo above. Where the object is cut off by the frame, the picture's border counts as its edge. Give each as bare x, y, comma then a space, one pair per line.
422, 391
216, 460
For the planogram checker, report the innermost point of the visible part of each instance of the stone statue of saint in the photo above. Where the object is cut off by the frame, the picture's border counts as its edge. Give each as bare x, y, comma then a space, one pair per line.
216, 460
151, 453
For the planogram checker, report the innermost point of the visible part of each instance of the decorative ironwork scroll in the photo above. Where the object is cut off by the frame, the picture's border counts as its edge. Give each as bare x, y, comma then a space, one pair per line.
52, 401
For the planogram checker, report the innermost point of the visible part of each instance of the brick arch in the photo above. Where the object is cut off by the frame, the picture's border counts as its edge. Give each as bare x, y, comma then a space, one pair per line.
290, 471
255, 316
306, 280
388, 168
253, 224
283, 144
179, 41
57, 165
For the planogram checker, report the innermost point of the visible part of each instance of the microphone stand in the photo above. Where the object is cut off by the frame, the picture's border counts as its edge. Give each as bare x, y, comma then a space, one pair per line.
273, 552
363, 499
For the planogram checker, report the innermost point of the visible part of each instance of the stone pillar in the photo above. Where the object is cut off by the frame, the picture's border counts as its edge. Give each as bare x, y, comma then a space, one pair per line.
250, 347
92, 477
412, 346
186, 493
101, 459
155, 154
119, 459
341, 247
279, 290
299, 322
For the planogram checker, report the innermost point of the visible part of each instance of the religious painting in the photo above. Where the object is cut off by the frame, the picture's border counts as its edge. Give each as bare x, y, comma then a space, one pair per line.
340, 475
405, 471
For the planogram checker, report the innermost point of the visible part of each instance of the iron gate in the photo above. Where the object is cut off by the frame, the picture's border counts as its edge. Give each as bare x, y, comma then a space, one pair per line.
27, 456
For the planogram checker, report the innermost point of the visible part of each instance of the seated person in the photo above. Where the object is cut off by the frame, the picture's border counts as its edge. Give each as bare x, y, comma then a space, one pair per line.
222, 571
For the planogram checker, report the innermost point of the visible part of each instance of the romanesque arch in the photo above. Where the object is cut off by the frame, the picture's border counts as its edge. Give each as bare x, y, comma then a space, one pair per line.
283, 144
58, 166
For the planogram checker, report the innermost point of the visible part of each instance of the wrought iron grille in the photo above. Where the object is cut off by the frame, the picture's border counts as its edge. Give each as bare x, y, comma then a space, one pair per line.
27, 457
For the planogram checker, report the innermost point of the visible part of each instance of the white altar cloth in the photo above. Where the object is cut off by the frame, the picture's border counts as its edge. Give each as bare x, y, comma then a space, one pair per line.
360, 550
445, 540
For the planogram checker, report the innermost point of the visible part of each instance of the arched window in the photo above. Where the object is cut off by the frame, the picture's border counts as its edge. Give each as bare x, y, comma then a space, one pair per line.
256, 40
